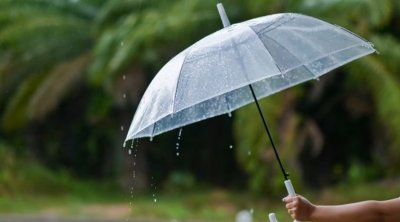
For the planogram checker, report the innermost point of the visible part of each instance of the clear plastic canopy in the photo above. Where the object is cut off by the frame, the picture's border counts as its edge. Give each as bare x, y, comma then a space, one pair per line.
212, 77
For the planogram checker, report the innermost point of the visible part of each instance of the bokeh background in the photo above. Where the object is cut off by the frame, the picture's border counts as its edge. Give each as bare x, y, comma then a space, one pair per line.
73, 71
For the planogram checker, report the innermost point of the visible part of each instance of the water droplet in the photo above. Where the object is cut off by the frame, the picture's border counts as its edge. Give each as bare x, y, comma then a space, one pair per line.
151, 139
155, 200
124, 145
154, 195
248, 153
230, 146
134, 163
130, 151
252, 211
180, 132
230, 114
122, 43
177, 153
124, 77
124, 96
122, 128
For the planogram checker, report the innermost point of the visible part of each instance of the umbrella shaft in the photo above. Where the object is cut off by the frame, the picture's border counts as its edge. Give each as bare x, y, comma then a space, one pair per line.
285, 174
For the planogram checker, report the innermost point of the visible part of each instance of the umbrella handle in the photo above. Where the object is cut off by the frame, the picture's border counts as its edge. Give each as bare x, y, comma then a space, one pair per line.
290, 190
272, 217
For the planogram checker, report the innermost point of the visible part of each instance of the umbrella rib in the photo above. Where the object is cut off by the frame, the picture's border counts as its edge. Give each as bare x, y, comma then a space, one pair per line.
179, 78
266, 36
154, 128
276, 64
281, 21
226, 94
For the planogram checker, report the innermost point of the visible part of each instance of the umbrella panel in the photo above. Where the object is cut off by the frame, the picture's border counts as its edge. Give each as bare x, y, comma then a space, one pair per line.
212, 77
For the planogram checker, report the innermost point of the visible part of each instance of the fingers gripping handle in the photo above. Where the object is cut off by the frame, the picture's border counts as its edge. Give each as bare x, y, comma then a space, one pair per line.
290, 190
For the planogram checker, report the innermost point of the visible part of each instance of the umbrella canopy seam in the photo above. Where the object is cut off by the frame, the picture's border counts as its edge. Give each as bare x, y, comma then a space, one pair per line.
179, 77
306, 66
283, 19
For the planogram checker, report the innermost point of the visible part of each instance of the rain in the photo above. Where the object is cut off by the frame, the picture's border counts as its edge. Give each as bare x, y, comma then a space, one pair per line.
276, 99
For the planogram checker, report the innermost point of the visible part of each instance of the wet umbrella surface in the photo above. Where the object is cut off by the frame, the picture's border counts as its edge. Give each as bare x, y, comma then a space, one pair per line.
212, 77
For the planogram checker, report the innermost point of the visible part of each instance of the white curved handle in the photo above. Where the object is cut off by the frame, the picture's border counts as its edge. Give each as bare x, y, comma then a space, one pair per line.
290, 190
272, 217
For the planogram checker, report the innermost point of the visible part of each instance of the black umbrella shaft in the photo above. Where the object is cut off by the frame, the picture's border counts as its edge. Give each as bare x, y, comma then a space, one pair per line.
285, 174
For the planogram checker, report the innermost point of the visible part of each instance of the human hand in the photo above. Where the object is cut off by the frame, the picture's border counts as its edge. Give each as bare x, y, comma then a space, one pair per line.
299, 208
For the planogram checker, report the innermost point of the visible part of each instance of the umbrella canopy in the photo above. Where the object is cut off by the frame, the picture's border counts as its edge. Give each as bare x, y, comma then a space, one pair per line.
212, 77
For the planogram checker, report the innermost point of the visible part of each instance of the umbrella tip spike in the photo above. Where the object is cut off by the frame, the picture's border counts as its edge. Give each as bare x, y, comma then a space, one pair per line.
222, 14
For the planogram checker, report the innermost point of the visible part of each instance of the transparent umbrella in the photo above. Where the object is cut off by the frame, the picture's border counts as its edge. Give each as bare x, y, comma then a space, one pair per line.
239, 64
212, 77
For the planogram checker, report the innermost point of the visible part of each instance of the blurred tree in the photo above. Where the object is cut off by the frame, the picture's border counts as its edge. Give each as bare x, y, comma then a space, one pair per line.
44, 51
80, 65
103, 53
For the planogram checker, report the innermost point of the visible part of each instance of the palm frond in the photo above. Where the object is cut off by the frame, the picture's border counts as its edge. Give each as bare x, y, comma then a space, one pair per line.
15, 113
350, 12
371, 72
61, 80
81, 9
62, 39
138, 36
389, 52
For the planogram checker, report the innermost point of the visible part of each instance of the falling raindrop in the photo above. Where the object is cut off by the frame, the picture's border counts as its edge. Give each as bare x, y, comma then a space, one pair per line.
124, 145
123, 77
180, 132
177, 143
122, 128
124, 95
252, 211
122, 43
230, 114
249, 153
154, 188
130, 151
230, 146
151, 139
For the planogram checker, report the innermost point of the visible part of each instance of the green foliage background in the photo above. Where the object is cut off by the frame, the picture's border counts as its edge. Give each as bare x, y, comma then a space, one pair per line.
73, 71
